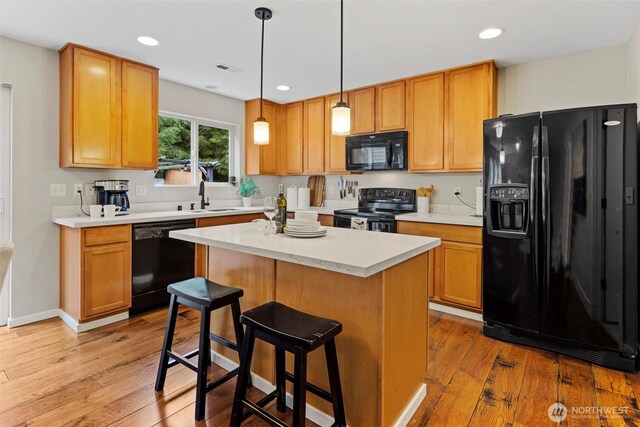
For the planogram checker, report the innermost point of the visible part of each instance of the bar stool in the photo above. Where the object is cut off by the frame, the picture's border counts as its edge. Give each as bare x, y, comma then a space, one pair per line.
205, 296
298, 333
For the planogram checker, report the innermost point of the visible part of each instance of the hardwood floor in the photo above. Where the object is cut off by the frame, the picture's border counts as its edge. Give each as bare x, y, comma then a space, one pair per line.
51, 377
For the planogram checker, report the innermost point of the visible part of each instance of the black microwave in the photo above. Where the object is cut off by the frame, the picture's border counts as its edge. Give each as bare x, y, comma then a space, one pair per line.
377, 152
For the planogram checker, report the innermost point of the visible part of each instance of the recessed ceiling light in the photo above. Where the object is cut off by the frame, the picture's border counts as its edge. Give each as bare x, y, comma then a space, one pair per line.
490, 33
283, 87
211, 87
148, 41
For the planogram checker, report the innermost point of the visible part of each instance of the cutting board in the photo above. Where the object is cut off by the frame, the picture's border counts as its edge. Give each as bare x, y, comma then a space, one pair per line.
316, 186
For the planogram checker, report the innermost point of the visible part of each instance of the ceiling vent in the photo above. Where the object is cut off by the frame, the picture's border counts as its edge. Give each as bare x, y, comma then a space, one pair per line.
225, 67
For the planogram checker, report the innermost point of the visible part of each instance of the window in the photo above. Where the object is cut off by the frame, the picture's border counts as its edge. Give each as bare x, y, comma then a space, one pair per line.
191, 150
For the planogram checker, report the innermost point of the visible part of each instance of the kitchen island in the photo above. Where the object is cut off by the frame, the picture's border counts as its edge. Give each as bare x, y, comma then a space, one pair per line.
375, 284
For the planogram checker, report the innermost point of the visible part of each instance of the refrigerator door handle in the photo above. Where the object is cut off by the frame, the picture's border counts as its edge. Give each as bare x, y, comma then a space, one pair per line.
545, 189
533, 188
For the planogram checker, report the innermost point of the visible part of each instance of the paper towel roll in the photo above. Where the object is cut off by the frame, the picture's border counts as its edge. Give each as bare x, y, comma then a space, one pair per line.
304, 197
292, 197
479, 200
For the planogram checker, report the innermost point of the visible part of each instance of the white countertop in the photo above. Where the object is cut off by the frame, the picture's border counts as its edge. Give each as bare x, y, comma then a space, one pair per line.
354, 252
141, 217
443, 218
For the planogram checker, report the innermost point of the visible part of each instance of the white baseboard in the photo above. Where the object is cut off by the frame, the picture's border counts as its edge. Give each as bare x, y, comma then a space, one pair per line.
313, 414
411, 409
82, 327
13, 322
455, 311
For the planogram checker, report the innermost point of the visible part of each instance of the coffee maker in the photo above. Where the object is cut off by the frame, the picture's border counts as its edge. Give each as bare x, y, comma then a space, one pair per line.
113, 192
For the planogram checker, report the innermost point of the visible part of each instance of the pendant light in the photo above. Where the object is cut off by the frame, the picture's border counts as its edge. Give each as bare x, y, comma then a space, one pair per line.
261, 125
341, 113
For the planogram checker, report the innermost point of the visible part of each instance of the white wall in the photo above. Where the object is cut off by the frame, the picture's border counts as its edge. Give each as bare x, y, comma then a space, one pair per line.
595, 77
633, 65
33, 72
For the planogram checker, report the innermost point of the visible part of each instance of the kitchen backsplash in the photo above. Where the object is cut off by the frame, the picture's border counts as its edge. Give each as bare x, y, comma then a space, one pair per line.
444, 186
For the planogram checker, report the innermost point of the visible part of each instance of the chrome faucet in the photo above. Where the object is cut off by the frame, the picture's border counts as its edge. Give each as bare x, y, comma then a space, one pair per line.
203, 204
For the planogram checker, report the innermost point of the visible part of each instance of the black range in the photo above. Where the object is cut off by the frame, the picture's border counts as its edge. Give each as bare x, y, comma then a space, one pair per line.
380, 207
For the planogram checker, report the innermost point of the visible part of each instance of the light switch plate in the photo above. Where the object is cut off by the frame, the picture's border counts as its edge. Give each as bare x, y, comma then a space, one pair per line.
141, 190
89, 190
58, 190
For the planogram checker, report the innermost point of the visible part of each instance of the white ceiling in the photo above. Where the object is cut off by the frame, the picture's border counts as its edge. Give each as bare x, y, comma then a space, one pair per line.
384, 40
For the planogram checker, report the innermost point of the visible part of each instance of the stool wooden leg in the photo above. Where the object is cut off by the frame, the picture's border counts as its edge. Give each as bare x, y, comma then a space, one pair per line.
243, 378
334, 383
168, 340
300, 388
203, 362
237, 327
280, 381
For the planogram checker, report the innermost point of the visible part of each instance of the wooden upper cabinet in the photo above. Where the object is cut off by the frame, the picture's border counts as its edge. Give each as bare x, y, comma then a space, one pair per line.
390, 106
363, 110
262, 159
269, 154
139, 116
108, 111
334, 146
95, 109
425, 123
314, 134
471, 100
292, 158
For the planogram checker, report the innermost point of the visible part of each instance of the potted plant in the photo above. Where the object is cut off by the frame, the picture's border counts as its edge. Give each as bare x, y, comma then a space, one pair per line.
247, 189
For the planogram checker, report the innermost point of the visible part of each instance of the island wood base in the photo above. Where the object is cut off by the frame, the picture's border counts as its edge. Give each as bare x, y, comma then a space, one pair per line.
382, 351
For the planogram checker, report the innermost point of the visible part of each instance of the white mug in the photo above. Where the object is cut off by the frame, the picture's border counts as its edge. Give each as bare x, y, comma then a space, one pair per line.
110, 211
95, 211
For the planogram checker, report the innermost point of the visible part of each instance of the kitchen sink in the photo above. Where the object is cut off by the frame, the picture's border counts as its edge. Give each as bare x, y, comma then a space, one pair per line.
204, 211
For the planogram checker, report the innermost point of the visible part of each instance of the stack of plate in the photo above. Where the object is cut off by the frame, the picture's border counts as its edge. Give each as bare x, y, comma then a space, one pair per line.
304, 228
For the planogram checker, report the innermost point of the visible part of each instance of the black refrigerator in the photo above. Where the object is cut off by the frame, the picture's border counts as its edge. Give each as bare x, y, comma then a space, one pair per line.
560, 238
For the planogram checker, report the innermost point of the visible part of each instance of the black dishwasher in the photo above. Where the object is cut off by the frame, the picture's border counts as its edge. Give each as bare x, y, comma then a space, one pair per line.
158, 261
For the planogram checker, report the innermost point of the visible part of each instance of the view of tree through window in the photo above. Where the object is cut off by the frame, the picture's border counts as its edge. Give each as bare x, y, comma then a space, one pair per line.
174, 151
213, 153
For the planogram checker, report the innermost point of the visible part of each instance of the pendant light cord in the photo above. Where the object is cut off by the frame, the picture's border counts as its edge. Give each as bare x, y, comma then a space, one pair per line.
261, 66
341, 45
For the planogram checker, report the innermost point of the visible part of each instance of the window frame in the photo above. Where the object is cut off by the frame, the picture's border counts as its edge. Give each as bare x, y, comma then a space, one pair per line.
194, 142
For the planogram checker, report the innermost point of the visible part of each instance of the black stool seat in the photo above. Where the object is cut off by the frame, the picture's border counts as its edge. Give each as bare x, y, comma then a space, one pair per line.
205, 293
301, 329
299, 333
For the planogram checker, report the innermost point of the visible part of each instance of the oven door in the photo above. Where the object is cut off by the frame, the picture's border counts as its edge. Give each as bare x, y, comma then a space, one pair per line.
342, 221
362, 156
382, 225
373, 224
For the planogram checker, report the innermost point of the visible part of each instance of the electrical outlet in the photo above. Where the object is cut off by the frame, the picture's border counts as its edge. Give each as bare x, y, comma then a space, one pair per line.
141, 190
89, 190
456, 190
77, 188
58, 190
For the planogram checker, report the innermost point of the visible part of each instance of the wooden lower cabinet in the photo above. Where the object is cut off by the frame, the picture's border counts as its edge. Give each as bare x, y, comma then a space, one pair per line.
95, 271
106, 279
458, 274
455, 267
